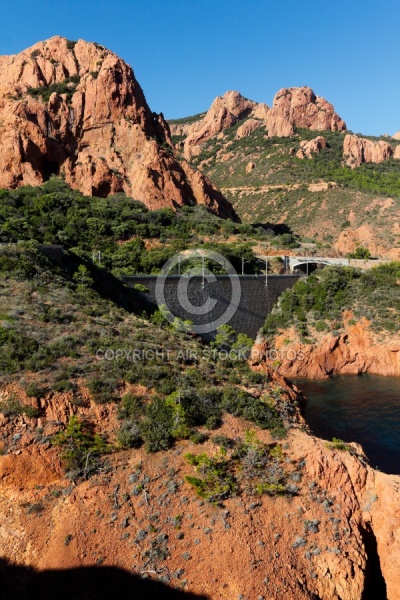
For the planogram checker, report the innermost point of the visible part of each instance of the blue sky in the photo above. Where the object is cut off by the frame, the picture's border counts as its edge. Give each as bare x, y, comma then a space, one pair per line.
186, 52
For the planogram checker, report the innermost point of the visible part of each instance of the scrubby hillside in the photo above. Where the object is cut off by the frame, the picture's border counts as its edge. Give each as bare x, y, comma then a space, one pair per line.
305, 185
130, 238
179, 466
318, 197
339, 320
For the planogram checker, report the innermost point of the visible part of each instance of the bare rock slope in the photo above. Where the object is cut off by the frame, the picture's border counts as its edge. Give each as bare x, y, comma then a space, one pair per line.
334, 538
76, 109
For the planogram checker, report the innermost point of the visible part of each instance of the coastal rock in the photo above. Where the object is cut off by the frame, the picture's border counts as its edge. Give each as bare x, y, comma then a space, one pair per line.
75, 109
359, 150
327, 536
307, 149
355, 351
300, 107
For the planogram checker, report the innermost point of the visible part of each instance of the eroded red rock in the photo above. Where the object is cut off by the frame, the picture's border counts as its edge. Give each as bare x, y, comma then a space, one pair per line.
76, 109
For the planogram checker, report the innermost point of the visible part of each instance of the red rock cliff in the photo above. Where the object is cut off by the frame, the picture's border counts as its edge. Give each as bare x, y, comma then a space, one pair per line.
76, 109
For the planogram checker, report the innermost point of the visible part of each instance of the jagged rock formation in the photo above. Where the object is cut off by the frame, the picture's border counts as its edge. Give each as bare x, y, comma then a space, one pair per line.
224, 112
260, 111
76, 109
300, 107
307, 149
359, 150
292, 107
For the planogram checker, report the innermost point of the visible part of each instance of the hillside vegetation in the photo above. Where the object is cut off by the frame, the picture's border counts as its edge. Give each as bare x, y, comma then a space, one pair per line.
318, 302
318, 199
131, 238
57, 331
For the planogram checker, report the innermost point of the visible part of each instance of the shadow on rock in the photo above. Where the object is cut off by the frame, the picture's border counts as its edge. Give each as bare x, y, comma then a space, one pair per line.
83, 583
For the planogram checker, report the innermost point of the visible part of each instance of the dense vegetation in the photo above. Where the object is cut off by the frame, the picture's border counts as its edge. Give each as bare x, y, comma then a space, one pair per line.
119, 228
317, 303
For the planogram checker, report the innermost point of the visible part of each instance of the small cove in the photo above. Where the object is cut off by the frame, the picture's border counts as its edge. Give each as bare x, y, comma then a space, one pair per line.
363, 409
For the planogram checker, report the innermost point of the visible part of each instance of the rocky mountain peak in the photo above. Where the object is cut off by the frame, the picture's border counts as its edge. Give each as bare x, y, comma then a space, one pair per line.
76, 109
292, 107
301, 107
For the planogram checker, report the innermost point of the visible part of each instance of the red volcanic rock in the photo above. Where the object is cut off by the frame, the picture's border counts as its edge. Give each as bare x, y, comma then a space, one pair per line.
76, 109
358, 350
307, 149
224, 112
300, 107
250, 166
247, 128
359, 150
260, 111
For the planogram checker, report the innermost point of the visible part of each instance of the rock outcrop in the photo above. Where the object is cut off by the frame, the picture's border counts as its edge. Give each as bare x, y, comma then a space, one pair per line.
352, 352
247, 128
76, 109
292, 107
300, 107
359, 150
396, 136
260, 111
307, 149
224, 112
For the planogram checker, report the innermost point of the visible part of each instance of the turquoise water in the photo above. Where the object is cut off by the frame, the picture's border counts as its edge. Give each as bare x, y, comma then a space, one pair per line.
362, 409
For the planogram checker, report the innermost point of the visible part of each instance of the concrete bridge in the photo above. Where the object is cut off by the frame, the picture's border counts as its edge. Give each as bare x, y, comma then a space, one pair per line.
308, 264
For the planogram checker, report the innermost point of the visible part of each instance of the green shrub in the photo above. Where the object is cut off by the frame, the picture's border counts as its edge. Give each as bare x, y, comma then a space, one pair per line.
81, 446
197, 437
243, 404
216, 482
103, 390
129, 435
360, 253
68, 87
337, 444
13, 407
157, 426
34, 390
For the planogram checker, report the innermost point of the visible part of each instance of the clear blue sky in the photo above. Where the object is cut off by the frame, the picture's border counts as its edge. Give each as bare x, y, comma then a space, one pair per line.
186, 52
